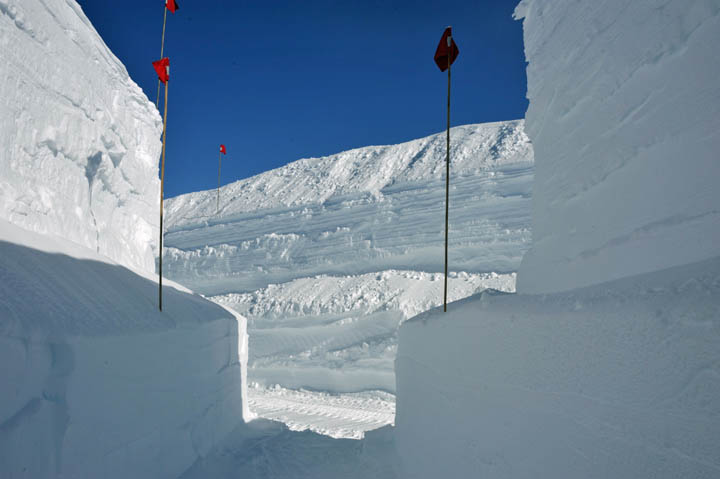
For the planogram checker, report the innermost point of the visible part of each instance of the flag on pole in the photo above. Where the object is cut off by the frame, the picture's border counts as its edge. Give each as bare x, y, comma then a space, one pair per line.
446, 48
445, 55
171, 5
222, 150
162, 67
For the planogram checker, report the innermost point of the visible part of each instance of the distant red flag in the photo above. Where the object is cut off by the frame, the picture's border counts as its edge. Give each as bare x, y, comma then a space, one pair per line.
171, 5
446, 48
162, 67
222, 150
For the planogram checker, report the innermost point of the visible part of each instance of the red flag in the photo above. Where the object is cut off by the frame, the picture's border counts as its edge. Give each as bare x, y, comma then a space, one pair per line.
445, 49
222, 150
171, 5
162, 67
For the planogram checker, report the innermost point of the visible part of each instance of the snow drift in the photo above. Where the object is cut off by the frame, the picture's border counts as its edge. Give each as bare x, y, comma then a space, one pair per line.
614, 370
79, 141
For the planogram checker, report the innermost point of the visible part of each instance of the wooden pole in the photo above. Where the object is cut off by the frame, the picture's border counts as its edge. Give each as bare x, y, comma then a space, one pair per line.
162, 189
218, 189
162, 50
447, 183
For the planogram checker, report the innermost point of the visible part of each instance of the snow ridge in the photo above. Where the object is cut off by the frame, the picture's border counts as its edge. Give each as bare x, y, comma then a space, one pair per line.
475, 149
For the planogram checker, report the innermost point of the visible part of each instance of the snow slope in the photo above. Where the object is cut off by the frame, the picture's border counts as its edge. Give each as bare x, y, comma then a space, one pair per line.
327, 256
79, 141
95, 380
624, 118
361, 211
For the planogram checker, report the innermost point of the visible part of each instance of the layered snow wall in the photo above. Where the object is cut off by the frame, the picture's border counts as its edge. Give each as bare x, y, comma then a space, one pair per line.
79, 141
614, 370
624, 118
365, 210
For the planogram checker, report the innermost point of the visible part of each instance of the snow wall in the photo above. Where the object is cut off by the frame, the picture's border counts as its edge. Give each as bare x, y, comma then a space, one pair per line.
95, 381
614, 370
624, 118
79, 140
611, 381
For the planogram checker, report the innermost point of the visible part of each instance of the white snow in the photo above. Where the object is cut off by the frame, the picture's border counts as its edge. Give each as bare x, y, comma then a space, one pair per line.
620, 379
613, 368
79, 141
327, 256
624, 118
268, 450
334, 415
332, 216
95, 380
605, 364
339, 334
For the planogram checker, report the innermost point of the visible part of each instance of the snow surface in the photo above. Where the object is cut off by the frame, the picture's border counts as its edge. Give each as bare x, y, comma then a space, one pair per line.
95, 380
624, 118
79, 141
620, 379
333, 216
326, 257
268, 450
334, 415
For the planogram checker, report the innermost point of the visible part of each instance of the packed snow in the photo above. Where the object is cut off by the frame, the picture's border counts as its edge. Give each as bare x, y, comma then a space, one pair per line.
625, 112
327, 257
615, 380
95, 380
334, 415
79, 141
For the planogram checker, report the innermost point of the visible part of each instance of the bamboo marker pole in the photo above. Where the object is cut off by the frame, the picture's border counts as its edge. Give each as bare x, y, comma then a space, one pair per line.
217, 209
447, 180
162, 188
162, 50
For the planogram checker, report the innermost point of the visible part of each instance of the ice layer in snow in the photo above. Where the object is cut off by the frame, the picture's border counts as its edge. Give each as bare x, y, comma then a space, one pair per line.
79, 141
624, 118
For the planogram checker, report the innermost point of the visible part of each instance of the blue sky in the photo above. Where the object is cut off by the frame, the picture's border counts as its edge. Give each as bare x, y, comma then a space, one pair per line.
277, 81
